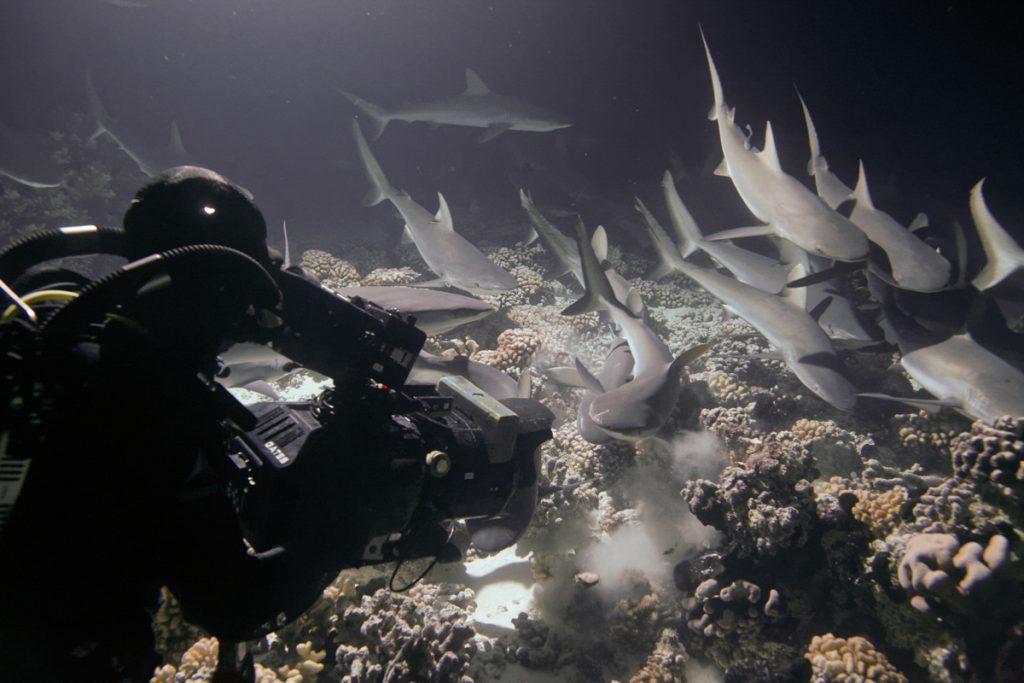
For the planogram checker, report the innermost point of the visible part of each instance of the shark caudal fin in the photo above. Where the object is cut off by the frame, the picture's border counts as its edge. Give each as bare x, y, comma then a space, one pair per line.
716, 84
99, 114
817, 160
381, 189
175, 145
662, 243
378, 116
1005, 256
598, 294
688, 234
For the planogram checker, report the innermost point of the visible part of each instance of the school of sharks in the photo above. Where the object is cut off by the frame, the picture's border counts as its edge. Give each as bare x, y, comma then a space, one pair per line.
842, 361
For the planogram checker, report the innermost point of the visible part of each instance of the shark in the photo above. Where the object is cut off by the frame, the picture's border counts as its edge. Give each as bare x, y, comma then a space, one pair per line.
566, 252
1005, 256
965, 376
638, 408
150, 160
801, 343
782, 203
246, 363
436, 311
754, 269
455, 261
477, 107
913, 264
616, 370
25, 159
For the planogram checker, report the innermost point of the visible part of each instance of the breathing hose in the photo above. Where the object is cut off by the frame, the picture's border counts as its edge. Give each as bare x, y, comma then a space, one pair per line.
36, 248
120, 286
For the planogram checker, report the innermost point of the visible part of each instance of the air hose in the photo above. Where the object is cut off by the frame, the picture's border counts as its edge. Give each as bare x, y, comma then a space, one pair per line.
31, 250
120, 286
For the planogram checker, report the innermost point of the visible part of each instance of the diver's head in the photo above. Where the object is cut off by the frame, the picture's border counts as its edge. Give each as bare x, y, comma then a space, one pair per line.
191, 205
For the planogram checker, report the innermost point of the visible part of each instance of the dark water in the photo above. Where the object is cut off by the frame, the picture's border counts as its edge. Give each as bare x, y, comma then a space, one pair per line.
923, 92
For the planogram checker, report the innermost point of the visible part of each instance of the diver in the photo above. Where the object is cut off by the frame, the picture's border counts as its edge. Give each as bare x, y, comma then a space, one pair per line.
125, 466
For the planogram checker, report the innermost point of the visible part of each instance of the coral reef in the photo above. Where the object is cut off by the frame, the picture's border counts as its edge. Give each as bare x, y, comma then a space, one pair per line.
849, 660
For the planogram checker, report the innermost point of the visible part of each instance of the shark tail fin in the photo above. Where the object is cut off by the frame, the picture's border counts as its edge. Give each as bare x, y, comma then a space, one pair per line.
598, 294
716, 83
99, 114
688, 356
817, 161
1005, 256
378, 116
381, 189
287, 247
661, 241
688, 234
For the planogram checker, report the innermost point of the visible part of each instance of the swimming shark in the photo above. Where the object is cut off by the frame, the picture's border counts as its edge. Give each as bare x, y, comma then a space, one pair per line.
615, 371
754, 269
25, 159
246, 363
787, 208
150, 160
800, 341
477, 107
912, 264
436, 311
565, 251
965, 376
639, 407
1005, 256
455, 261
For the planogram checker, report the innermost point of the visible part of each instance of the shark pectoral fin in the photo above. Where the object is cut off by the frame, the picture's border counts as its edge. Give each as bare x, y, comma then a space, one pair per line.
820, 308
443, 217
493, 131
599, 242
920, 221
932, 405
739, 233
823, 359
585, 304
590, 382
531, 237
565, 376
406, 236
524, 387
723, 168
840, 268
767, 355
373, 197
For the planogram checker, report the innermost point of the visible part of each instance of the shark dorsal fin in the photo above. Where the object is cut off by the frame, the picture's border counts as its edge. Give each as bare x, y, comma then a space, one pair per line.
599, 242
474, 84
443, 217
770, 155
861, 192
820, 308
459, 364
176, 144
920, 221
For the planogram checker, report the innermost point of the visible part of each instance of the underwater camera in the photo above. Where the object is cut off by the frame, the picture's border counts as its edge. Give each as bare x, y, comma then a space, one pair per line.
366, 472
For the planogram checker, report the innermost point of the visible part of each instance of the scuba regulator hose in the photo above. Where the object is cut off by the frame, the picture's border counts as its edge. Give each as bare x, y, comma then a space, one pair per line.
122, 285
31, 250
